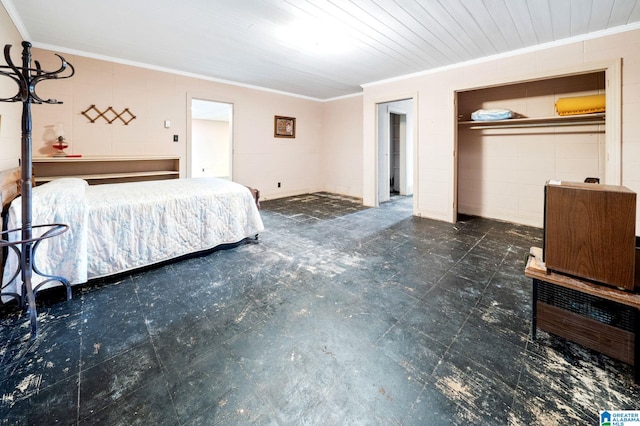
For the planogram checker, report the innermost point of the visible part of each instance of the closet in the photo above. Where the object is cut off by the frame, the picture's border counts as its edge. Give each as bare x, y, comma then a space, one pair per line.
503, 165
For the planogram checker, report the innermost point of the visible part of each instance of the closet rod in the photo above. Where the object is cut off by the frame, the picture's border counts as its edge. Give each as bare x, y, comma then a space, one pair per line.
520, 125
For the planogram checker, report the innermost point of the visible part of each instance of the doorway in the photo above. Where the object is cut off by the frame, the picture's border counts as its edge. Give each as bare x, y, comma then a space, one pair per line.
211, 149
395, 149
397, 136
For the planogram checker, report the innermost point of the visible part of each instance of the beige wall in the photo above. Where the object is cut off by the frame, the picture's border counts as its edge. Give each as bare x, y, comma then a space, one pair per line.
10, 113
334, 148
342, 146
260, 160
321, 157
435, 183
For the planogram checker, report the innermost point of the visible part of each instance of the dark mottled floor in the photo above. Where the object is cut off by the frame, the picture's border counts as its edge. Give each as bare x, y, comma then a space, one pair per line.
340, 315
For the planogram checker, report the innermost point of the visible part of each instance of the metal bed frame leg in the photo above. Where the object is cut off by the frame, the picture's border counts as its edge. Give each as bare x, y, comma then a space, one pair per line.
25, 265
31, 309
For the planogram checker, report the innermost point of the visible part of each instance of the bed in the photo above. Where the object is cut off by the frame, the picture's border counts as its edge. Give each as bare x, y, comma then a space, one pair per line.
114, 228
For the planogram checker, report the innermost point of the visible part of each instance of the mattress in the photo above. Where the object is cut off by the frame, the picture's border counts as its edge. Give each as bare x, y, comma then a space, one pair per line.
114, 228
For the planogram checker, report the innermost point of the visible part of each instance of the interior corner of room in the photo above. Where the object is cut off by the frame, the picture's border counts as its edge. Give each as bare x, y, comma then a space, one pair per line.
384, 200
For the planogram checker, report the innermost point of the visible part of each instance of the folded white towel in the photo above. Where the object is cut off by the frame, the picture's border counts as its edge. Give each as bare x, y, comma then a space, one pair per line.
491, 114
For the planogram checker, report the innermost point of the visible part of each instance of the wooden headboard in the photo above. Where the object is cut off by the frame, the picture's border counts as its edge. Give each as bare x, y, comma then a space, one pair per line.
9, 186
10, 182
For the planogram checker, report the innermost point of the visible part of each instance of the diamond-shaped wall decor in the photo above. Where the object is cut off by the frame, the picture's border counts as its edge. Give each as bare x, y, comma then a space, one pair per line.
93, 113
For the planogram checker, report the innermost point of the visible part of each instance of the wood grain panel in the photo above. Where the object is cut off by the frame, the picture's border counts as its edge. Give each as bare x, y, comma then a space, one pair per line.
9, 186
611, 341
590, 232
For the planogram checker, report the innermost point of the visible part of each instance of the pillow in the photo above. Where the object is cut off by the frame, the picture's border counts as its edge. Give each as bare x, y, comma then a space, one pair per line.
62, 187
65, 194
581, 105
59, 201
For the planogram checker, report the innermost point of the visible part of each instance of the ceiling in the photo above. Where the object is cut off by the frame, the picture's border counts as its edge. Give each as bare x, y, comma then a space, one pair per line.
319, 49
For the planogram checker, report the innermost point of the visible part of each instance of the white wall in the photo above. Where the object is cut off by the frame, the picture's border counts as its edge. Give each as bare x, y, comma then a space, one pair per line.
10, 113
435, 184
210, 146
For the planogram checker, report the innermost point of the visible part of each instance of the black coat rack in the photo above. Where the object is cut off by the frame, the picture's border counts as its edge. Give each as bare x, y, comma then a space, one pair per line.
27, 78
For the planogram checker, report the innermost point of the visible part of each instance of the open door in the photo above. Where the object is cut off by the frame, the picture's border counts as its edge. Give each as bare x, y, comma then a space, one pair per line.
395, 149
384, 170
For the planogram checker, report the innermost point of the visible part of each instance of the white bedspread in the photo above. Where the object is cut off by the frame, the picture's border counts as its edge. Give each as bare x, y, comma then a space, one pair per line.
118, 227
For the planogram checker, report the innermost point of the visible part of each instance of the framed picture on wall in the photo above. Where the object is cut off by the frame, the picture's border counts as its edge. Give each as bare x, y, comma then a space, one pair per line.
284, 127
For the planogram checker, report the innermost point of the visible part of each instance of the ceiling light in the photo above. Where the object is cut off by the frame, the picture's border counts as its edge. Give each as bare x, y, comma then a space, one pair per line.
317, 37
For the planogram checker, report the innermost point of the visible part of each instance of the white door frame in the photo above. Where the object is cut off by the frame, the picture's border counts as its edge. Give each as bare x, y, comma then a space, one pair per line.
383, 133
370, 146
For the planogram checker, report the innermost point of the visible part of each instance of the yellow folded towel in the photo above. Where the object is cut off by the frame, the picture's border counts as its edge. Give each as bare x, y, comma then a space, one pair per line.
581, 105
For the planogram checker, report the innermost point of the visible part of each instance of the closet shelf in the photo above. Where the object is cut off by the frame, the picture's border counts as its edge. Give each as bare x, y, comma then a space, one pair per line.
565, 120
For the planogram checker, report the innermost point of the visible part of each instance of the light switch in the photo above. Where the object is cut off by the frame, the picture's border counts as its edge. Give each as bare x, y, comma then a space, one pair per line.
167, 124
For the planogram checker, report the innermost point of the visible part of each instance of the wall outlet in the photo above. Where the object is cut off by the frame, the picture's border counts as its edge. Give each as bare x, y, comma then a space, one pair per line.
278, 184
175, 138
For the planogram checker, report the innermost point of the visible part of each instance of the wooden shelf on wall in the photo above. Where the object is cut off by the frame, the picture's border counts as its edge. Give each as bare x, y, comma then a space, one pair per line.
97, 170
560, 120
